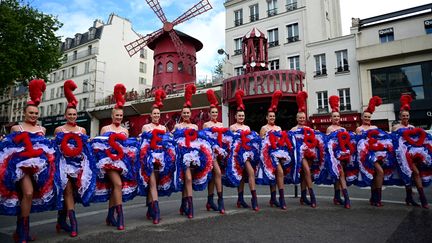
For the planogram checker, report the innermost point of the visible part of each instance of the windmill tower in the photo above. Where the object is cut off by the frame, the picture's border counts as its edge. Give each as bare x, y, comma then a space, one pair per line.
174, 52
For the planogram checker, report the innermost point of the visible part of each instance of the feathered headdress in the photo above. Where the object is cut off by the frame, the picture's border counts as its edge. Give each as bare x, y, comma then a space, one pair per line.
68, 87
160, 95
405, 101
301, 101
373, 102
277, 95
36, 89
334, 103
119, 93
189, 91
239, 99
211, 96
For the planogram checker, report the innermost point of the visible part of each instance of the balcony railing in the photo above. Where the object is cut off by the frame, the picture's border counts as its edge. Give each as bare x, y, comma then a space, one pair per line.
273, 43
291, 6
342, 69
81, 54
238, 22
321, 72
238, 52
254, 18
293, 39
272, 12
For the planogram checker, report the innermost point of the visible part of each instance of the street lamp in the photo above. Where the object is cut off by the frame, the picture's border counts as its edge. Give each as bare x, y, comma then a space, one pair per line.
222, 51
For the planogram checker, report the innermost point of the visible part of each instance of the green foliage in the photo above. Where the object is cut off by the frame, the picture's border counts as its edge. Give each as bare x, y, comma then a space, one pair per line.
29, 47
218, 69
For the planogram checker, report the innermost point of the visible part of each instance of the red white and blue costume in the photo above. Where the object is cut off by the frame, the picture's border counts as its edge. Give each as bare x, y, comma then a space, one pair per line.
414, 146
277, 148
157, 152
28, 153
340, 155
309, 144
246, 146
114, 151
375, 146
221, 140
193, 151
75, 161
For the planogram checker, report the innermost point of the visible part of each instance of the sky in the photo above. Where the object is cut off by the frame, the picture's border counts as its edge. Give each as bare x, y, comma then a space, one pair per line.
78, 15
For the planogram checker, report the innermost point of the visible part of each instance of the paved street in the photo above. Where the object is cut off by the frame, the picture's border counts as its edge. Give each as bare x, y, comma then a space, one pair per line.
395, 222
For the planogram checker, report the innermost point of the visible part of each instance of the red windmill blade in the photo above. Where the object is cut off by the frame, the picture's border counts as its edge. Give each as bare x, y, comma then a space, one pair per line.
199, 8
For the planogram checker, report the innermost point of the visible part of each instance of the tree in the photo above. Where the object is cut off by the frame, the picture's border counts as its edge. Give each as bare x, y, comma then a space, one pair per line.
29, 47
218, 69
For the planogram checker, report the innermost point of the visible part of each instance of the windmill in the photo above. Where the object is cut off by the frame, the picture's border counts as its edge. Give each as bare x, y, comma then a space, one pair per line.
168, 27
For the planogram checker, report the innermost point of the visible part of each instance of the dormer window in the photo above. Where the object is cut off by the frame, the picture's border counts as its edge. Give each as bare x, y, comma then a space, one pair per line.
92, 33
68, 43
77, 39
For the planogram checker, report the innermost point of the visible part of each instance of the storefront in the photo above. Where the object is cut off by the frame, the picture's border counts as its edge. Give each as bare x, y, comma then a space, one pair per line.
52, 122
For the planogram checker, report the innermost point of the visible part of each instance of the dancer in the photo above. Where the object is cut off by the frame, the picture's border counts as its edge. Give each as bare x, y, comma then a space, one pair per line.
245, 155
75, 163
221, 139
194, 156
413, 152
115, 156
27, 168
340, 149
157, 160
273, 161
309, 150
374, 150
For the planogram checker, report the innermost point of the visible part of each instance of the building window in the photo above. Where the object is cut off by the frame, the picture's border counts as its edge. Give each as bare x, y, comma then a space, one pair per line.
85, 86
143, 53
54, 77
170, 67
238, 17
344, 99
75, 55
72, 72
320, 65
180, 67
85, 103
342, 61
238, 46
386, 35
293, 33
41, 111
322, 102
51, 109
273, 37
291, 5
86, 67
142, 80
274, 64
61, 91
89, 50
60, 109
63, 74
160, 68
271, 7
294, 62
390, 82
142, 67
254, 13
239, 71
52, 93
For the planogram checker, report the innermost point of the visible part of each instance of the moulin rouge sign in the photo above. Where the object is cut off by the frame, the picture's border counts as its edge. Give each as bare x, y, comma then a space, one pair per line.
264, 83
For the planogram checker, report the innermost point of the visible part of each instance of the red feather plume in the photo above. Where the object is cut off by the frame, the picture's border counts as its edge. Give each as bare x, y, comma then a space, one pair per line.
68, 87
373, 102
119, 93
36, 89
405, 101
239, 99
277, 95
189, 91
334, 103
160, 95
301, 101
211, 96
